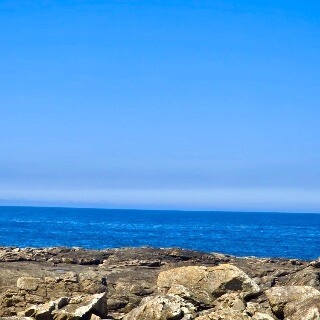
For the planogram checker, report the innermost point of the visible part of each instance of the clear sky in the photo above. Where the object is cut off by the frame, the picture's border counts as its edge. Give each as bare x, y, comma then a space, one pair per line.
160, 104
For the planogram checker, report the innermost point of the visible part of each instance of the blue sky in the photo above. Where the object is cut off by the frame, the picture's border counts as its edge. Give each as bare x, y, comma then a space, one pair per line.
208, 105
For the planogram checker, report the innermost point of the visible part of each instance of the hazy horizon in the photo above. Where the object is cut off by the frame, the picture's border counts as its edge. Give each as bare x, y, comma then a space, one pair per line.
190, 200
145, 210
160, 105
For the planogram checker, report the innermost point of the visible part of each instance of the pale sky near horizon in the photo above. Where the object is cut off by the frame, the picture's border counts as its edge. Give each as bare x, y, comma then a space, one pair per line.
208, 105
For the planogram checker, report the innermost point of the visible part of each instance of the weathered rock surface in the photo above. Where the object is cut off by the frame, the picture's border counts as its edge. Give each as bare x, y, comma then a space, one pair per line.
203, 285
81, 307
169, 307
295, 302
148, 283
225, 315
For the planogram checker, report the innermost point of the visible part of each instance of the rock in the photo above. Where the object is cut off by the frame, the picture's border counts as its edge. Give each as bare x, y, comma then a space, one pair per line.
16, 318
224, 315
115, 304
83, 306
203, 285
32, 283
28, 283
259, 310
309, 276
89, 261
296, 262
70, 308
61, 302
312, 314
96, 304
229, 301
230, 306
315, 264
169, 307
294, 302
70, 277
262, 316
44, 311
230, 314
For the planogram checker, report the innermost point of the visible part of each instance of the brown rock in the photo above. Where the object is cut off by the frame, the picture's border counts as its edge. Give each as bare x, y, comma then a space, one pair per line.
28, 283
224, 315
230, 301
309, 276
294, 302
169, 307
83, 306
203, 285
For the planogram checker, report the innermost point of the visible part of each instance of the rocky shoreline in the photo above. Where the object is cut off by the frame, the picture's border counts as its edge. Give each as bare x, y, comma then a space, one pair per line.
148, 283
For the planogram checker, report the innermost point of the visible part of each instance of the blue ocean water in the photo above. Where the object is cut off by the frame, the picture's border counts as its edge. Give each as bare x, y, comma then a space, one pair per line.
241, 233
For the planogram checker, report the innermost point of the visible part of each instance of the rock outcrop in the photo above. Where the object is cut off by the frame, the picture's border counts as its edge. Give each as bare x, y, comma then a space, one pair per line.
31, 291
154, 284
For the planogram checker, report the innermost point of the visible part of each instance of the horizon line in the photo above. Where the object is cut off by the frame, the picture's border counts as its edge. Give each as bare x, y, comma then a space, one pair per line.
154, 210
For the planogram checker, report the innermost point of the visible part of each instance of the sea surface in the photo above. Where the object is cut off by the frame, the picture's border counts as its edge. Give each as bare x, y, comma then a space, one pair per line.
236, 233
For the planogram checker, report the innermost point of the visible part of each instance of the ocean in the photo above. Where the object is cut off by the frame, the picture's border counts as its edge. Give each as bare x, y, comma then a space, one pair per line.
236, 233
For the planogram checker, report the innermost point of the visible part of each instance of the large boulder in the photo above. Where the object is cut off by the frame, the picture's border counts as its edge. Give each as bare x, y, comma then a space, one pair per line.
169, 307
83, 307
295, 302
203, 285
